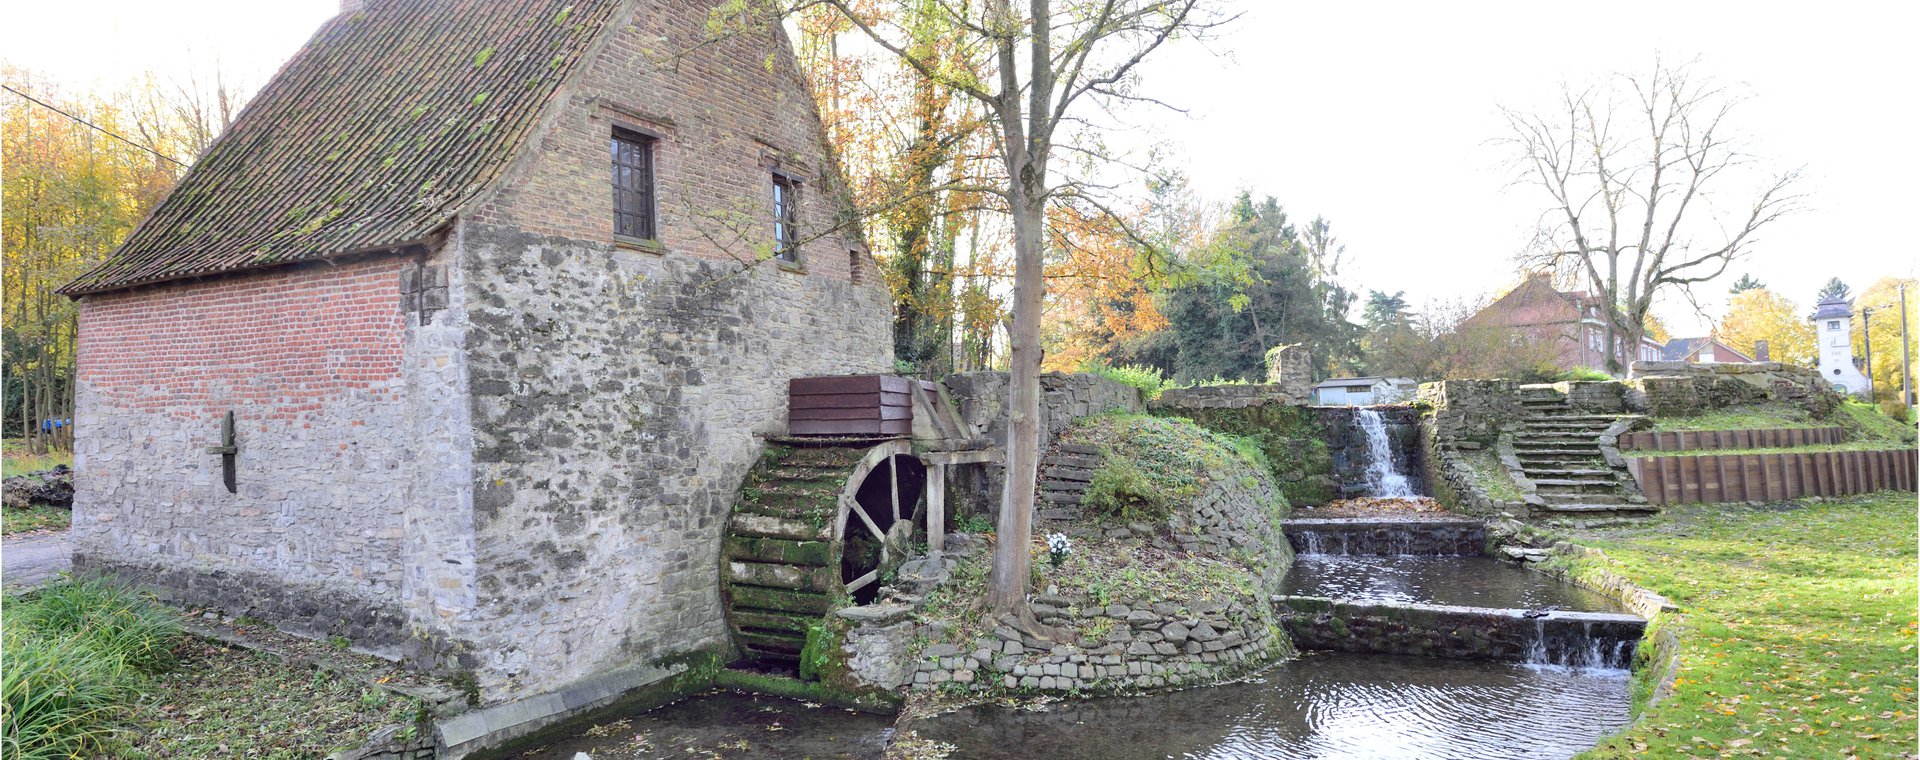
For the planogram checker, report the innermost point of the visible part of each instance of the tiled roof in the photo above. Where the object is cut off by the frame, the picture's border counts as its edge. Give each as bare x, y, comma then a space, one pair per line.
1833, 308
371, 137
1679, 349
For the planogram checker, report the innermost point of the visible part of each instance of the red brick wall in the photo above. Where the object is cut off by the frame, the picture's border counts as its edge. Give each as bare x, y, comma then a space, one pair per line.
280, 343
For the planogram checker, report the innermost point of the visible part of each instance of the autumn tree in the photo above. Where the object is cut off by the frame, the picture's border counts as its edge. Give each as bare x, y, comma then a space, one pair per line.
1044, 76
81, 171
1882, 330
1646, 190
1758, 314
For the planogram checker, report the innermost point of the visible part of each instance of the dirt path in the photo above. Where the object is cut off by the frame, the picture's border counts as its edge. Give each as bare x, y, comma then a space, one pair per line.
28, 561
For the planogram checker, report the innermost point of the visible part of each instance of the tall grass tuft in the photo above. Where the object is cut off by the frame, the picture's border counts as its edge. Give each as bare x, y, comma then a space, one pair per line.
76, 654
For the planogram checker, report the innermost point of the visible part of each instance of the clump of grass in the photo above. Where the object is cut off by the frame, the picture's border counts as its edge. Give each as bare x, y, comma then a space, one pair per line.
1123, 490
35, 517
1150, 380
1583, 374
77, 655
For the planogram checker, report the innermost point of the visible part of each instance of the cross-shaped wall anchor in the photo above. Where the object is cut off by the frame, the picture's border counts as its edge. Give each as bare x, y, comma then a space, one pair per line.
228, 450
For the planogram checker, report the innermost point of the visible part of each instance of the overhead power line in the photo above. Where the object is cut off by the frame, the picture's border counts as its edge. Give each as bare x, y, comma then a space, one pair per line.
96, 127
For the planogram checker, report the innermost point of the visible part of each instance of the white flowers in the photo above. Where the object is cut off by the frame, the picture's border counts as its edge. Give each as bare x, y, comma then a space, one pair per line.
1058, 547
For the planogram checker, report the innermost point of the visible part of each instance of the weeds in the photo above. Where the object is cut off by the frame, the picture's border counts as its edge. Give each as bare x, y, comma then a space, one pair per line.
77, 655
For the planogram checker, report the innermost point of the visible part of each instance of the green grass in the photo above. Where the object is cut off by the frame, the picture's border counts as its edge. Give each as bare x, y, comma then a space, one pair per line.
1745, 417
16, 462
78, 654
36, 517
1490, 475
1797, 636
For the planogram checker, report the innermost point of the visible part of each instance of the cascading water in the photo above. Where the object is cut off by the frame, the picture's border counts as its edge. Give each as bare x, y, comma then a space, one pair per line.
1383, 479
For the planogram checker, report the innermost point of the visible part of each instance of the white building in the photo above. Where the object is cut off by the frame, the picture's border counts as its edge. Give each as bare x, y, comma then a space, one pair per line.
1361, 391
1833, 324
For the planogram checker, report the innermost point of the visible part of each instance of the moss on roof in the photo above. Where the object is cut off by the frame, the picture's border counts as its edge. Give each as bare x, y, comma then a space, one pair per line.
371, 137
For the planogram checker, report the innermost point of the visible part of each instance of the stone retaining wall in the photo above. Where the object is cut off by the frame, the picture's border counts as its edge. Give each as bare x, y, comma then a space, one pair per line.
1471, 633
1680, 389
1146, 647
981, 400
1465, 538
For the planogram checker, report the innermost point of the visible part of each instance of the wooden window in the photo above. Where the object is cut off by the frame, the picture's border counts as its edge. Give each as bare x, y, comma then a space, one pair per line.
786, 218
633, 185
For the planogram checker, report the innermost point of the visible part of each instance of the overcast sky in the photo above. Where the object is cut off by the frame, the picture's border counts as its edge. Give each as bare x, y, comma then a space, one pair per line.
1375, 115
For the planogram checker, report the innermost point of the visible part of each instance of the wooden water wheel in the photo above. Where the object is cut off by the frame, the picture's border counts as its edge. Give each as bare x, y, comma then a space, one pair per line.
817, 526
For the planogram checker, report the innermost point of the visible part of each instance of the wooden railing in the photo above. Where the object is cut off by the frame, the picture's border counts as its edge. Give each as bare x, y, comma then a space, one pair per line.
1692, 440
1771, 477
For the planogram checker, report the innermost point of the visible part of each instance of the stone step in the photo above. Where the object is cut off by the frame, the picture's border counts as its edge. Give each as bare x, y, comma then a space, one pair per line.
1569, 428
1566, 489
1601, 418
1063, 485
1082, 449
1077, 474
1061, 497
1551, 439
1075, 461
1597, 509
1584, 498
1571, 473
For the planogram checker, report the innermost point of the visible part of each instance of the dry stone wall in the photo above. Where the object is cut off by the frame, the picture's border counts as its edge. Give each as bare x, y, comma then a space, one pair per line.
1681, 389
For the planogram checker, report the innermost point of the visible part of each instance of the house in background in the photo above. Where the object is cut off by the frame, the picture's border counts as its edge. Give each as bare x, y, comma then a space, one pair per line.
1362, 391
1833, 326
441, 348
1707, 350
1564, 327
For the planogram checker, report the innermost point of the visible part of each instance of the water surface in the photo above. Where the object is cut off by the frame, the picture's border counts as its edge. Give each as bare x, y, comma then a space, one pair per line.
1324, 705
1464, 581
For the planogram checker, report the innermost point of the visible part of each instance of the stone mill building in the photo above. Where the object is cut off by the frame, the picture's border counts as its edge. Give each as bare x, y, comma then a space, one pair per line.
460, 341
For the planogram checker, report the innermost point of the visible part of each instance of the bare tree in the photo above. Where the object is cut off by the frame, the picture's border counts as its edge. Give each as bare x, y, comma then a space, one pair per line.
1044, 75
1650, 191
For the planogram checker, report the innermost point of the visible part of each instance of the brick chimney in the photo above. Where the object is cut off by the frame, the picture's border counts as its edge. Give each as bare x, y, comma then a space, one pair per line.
1760, 351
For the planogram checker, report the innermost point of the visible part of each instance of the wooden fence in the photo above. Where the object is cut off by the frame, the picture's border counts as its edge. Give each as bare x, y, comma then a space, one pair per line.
1771, 477
1691, 440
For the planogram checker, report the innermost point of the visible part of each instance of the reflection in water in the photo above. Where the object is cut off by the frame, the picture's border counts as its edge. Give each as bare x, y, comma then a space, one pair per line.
1465, 581
1321, 706
725, 724
1324, 705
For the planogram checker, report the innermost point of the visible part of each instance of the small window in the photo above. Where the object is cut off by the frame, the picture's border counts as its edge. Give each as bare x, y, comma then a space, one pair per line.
633, 203
786, 218
1833, 324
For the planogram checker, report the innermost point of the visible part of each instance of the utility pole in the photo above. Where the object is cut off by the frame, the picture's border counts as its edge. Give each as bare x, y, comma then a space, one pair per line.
1906, 358
1866, 331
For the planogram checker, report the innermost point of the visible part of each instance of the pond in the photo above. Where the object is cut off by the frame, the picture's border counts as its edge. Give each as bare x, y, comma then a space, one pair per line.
1323, 705
1463, 581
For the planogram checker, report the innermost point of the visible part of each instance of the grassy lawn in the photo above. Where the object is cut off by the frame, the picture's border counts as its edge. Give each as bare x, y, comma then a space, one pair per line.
95, 670
36, 517
14, 460
1798, 628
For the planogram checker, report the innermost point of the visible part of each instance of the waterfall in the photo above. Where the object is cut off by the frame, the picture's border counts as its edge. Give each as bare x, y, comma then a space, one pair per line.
1382, 479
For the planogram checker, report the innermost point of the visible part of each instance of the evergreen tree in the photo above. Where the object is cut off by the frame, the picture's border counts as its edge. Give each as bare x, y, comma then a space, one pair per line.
1744, 284
1222, 327
1385, 311
1834, 289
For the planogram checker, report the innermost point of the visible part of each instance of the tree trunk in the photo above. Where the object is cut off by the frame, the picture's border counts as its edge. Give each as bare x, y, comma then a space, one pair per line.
1012, 573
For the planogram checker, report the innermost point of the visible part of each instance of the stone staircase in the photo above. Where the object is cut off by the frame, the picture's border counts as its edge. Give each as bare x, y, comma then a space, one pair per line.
1064, 476
1558, 449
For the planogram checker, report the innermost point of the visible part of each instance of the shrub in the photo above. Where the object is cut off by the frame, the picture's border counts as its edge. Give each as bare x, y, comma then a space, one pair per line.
1123, 490
1583, 374
1896, 409
76, 654
1149, 380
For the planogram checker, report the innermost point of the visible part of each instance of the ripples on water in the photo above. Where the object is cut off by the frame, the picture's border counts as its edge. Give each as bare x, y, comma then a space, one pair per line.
1321, 706
1466, 581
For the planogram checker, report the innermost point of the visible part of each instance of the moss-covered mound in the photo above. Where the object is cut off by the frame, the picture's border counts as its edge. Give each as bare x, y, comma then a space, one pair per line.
1292, 440
1166, 582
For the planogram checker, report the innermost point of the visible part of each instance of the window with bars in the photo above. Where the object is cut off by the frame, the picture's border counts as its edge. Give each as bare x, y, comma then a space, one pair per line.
786, 218
633, 185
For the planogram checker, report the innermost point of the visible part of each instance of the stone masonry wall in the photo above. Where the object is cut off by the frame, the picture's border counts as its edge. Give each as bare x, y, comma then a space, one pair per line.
981, 400
349, 465
1678, 389
620, 389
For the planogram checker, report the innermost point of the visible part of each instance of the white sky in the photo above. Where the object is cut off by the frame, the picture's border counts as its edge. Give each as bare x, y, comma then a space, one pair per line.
1375, 115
